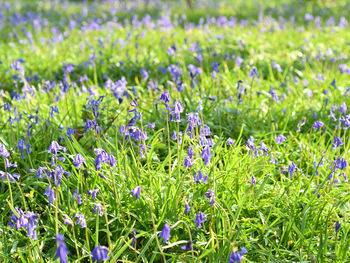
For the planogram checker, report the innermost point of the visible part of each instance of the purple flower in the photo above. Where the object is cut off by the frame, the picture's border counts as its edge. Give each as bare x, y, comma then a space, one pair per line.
100, 253
291, 169
137, 192
237, 256
253, 72
229, 142
280, 139
341, 163
190, 151
93, 193
188, 162
206, 155
54, 148
81, 220
342, 108
112, 161
77, 196
198, 177
200, 218
27, 221
174, 137
61, 251
98, 207
144, 74
175, 112
211, 196
187, 207
134, 238
239, 61
188, 246
277, 66
3, 152
253, 180
317, 125
264, 149
165, 234
78, 160
50, 193
12, 177
337, 142
337, 227
250, 144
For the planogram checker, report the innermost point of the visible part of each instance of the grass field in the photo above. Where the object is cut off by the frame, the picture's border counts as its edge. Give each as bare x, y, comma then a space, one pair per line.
160, 133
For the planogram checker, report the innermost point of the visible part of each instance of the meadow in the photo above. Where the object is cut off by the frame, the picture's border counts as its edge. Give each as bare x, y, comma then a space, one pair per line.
135, 132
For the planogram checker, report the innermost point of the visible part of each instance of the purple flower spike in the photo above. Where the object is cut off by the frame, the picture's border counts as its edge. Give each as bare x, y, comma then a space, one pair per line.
137, 192
165, 234
100, 253
61, 251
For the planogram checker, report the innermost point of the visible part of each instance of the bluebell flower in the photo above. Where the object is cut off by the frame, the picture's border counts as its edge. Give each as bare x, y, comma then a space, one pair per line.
237, 256
176, 111
174, 136
49, 192
300, 124
77, 196
165, 97
229, 142
187, 208
61, 251
137, 192
3, 152
291, 169
100, 253
98, 162
81, 220
333, 83
337, 226
211, 196
165, 234
337, 142
253, 72
70, 132
190, 151
27, 221
188, 162
151, 125
280, 139
134, 238
144, 74
54, 148
342, 108
98, 207
78, 160
341, 163
253, 180
317, 125
188, 246
200, 218
12, 177
93, 193
264, 149
277, 66
206, 155
198, 177
239, 61
22, 147
250, 144
112, 161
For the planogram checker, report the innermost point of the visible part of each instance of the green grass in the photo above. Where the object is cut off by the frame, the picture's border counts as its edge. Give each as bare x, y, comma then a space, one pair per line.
280, 219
